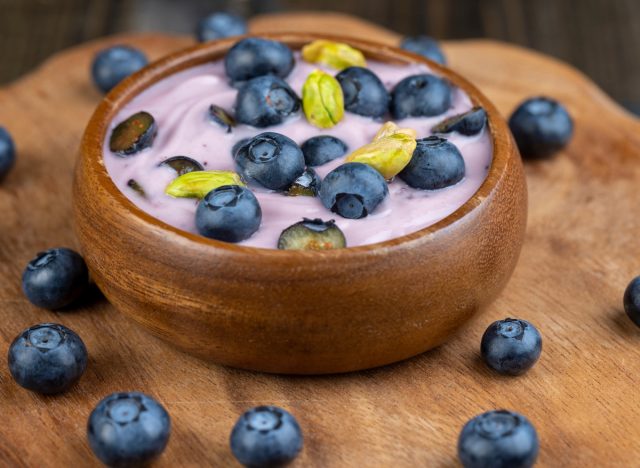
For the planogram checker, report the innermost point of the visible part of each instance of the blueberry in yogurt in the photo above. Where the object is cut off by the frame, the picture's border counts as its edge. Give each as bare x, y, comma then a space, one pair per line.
265, 101
321, 149
221, 117
353, 190
436, 163
541, 126
128, 429
111, 66
266, 436
133, 134
364, 93
47, 358
468, 123
426, 46
271, 160
308, 184
7, 153
421, 95
312, 234
229, 213
511, 346
55, 278
254, 56
220, 25
498, 439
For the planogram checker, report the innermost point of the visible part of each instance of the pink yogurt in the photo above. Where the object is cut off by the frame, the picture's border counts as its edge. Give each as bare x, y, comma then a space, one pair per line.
180, 105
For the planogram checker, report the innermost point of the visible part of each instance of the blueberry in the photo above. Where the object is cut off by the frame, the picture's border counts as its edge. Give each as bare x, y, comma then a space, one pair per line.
253, 57
266, 436
436, 163
112, 65
220, 25
237, 145
128, 429
182, 164
498, 439
55, 278
425, 46
364, 93
511, 346
134, 185
632, 300
541, 126
321, 149
420, 96
133, 134
229, 213
308, 184
47, 358
468, 123
265, 101
7, 153
221, 117
270, 159
312, 234
353, 190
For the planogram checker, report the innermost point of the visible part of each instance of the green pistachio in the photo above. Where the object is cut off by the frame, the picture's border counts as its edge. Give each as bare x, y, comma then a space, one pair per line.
389, 152
322, 99
333, 54
198, 183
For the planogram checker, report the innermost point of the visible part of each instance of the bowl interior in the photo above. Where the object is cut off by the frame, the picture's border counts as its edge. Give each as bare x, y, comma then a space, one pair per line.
202, 53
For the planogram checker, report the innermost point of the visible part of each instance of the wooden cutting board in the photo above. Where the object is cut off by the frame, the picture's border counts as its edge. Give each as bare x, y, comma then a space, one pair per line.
582, 248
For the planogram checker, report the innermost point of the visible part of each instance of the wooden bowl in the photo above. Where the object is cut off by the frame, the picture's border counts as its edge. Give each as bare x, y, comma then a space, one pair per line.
291, 311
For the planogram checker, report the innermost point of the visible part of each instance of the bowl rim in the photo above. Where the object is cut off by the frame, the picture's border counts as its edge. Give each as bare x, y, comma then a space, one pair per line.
91, 150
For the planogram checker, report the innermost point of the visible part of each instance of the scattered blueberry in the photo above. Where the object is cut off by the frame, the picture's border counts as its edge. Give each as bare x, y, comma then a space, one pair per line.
133, 134
420, 96
308, 184
229, 213
266, 436
254, 56
436, 163
498, 439
55, 278
128, 429
426, 46
321, 149
220, 25
364, 93
265, 101
541, 126
468, 123
182, 164
112, 65
47, 358
7, 153
221, 117
270, 159
312, 234
632, 300
353, 190
511, 346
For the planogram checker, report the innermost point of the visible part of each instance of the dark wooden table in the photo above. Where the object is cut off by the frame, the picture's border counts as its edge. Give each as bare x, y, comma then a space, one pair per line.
581, 250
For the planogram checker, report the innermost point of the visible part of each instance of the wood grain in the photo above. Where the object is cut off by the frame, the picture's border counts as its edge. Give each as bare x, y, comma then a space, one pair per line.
301, 312
581, 250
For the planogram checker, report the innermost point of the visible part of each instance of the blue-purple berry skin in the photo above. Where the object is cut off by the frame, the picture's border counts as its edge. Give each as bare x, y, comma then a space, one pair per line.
511, 346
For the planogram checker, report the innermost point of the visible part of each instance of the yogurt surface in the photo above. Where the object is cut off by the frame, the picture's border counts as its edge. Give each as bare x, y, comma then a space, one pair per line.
180, 106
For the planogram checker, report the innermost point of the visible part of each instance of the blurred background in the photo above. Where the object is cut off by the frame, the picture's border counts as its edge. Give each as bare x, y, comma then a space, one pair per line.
600, 37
